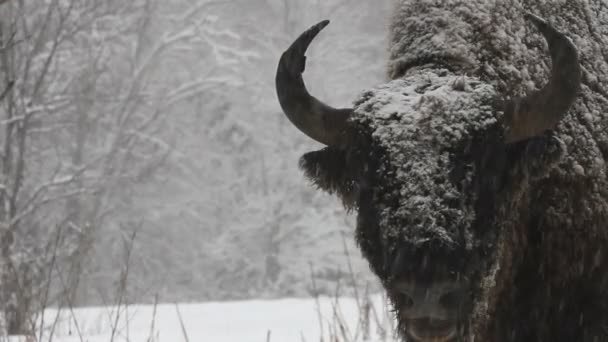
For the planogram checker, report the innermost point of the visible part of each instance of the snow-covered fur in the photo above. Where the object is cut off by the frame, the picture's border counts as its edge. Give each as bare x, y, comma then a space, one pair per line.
431, 176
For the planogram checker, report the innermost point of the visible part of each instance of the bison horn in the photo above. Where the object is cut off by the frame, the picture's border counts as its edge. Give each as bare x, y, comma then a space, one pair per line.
542, 110
319, 121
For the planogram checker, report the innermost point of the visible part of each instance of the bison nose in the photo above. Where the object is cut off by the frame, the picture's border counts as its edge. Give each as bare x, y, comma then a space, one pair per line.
437, 300
430, 311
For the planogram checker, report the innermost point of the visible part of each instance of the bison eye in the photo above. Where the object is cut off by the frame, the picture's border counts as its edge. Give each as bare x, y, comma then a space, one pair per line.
405, 301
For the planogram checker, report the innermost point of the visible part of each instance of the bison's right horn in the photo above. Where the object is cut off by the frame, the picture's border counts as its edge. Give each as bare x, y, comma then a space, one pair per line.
542, 110
319, 121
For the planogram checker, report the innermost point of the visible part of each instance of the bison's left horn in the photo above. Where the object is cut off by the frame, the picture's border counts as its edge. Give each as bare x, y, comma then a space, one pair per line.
319, 121
542, 110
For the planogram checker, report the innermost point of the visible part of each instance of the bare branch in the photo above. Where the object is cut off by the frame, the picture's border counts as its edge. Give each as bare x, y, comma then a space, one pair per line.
6, 90
35, 206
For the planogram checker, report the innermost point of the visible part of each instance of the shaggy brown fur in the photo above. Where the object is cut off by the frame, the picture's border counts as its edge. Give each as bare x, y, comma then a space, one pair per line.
440, 194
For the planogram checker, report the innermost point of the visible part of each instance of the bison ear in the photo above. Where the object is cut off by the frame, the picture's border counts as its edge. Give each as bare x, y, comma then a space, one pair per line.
541, 155
330, 170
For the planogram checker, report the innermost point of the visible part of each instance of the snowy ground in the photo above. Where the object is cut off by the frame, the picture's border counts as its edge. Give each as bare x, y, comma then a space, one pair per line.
288, 320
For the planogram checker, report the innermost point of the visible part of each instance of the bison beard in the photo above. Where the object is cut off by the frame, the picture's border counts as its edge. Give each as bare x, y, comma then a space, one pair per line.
481, 221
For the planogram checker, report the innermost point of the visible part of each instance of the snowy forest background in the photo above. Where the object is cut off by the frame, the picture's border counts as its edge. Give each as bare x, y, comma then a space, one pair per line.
143, 151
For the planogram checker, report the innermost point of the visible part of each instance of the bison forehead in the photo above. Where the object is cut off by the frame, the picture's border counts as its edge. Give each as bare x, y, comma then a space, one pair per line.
418, 124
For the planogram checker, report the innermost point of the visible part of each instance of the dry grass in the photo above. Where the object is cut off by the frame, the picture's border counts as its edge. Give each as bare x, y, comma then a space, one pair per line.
374, 322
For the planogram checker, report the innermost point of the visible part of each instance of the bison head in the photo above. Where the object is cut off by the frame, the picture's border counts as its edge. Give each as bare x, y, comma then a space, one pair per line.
432, 163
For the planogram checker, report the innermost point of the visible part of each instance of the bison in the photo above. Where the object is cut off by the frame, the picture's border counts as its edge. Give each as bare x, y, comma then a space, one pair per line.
478, 172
